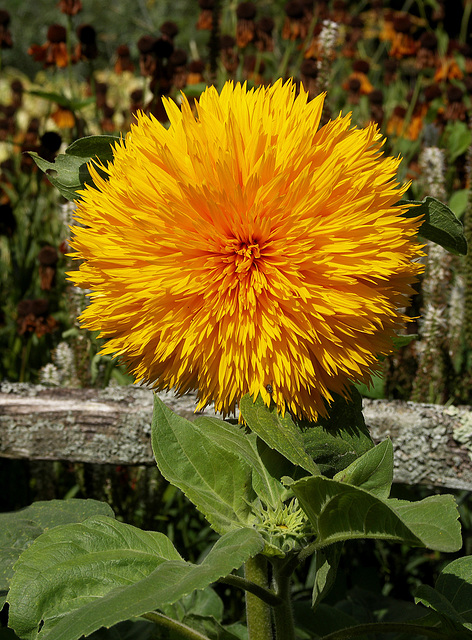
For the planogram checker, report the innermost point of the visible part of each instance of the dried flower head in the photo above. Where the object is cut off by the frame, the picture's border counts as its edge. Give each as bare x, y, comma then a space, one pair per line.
241, 247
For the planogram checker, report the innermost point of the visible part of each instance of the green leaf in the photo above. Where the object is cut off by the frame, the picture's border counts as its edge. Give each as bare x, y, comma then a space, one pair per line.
280, 433
373, 471
69, 173
450, 619
129, 630
326, 619
340, 512
202, 603
403, 341
19, 529
78, 578
195, 90
73, 564
440, 224
59, 98
458, 139
458, 201
455, 584
337, 440
235, 440
326, 567
374, 390
216, 480
209, 627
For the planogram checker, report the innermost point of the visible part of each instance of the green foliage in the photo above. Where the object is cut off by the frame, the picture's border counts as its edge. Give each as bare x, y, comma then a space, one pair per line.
211, 474
451, 599
372, 471
440, 224
336, 441
279, 432
75, 579
69, 173
458, 202
20, 528
340, 512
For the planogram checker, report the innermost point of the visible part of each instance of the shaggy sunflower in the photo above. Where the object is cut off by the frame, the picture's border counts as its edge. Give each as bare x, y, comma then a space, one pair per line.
243, 251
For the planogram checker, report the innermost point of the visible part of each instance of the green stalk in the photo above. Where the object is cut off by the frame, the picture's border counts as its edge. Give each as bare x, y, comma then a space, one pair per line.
384, 627
409, 113
283, 614
257, 612
266, 595
69, 55
182, 630
25, 353
465, 22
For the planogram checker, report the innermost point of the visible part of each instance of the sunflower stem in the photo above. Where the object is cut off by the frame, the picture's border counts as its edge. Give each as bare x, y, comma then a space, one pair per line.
283, 614
258, 612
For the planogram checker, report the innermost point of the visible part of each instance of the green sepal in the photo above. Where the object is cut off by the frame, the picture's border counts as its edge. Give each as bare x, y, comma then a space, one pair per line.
440, 225
69, 172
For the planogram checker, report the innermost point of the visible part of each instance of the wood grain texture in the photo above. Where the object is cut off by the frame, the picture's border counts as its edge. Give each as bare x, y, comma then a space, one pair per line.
432, 443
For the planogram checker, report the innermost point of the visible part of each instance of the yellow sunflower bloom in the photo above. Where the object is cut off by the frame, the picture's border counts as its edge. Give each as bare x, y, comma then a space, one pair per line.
243, 251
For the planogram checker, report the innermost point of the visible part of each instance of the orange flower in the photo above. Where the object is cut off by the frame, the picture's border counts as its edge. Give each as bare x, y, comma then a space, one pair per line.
54, 51
64, 118
448, 69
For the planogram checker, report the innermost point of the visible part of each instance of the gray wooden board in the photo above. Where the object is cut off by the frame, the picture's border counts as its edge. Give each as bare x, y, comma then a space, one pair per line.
433, 443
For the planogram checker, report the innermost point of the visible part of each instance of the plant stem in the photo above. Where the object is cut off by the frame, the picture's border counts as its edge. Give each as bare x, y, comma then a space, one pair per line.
283, 615
465, 22
185, 632
384, 627
266, 595
257, 612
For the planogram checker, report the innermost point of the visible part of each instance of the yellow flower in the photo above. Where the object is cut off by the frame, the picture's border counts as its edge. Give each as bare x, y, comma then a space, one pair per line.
243, 251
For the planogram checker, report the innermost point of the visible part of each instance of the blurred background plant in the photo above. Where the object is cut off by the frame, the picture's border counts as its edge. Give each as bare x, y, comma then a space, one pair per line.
78, 68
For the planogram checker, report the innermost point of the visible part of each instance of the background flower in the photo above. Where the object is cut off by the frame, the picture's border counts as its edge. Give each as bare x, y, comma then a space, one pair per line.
242, 248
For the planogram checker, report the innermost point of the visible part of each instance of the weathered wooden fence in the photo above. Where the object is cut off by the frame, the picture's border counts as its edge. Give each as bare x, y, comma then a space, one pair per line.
433, 443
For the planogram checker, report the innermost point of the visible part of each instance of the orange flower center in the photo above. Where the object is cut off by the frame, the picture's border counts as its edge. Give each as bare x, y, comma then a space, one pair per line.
242, 254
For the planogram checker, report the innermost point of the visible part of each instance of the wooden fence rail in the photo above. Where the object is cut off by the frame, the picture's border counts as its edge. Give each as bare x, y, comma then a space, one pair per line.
432, 443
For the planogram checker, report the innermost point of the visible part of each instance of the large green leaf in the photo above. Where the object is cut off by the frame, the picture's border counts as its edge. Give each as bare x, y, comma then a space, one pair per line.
340, 512
69, 173
73, 564
78, 578
279, 432
217, 480
373, 471
341, 437
18, 529
440, 225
